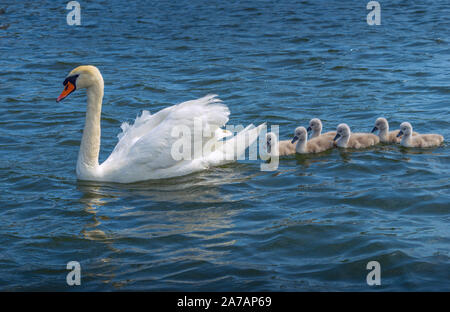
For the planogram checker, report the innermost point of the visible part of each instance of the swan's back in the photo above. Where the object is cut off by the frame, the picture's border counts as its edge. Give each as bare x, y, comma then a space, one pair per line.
144, 150
286, 148
392, 136
329, 134
362, 140
320, 144
426, 140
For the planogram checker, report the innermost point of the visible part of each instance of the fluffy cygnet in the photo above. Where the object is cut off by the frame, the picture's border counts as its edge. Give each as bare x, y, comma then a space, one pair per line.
315, 125
282, 147
347, 139
315, 145
419, 140
386, 136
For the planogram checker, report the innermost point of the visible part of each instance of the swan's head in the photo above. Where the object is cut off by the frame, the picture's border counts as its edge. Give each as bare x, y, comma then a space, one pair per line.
81, 77
300, 134
315, 125
405, 129
343, 130
271, 140
380, 124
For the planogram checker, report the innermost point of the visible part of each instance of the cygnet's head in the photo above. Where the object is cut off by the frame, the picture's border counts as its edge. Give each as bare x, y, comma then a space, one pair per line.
342, 130
405, 129
380, 124
315, 125
300, 134
271, 140
81, 77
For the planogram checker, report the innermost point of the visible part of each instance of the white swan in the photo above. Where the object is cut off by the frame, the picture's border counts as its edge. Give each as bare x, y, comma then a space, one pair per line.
315, 125
419, 140
345, 138
144, 149
278, 148
315, 145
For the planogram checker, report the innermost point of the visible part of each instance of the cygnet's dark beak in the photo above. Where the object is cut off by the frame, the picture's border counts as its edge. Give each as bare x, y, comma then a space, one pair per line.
294, 139
374, 129
269, 147
337, 136
308, 129
400, 133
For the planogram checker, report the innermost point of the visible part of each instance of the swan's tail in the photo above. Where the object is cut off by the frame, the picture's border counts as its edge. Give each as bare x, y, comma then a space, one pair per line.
234, 148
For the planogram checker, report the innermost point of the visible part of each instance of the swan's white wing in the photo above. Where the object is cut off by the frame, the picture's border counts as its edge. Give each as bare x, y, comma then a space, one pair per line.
144, 149
232, 149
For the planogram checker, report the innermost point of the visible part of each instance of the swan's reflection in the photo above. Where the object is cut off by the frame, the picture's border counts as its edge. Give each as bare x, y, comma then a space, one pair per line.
345, 155
418, 151
91, 200
306, 160
149, 219
202, 187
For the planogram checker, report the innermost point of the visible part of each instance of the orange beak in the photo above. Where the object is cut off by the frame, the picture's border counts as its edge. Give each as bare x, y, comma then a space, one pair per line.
69, 88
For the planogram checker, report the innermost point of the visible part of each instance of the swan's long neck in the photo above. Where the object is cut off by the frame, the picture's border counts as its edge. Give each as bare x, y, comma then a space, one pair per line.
87, 164
406, 139
274, 148
300, 148
316, 132
343, 140
384, 133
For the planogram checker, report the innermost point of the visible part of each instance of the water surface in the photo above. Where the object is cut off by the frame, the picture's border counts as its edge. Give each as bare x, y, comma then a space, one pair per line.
313, 224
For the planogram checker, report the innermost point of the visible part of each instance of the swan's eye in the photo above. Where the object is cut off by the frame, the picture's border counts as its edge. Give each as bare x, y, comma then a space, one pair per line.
71, 79
69, 86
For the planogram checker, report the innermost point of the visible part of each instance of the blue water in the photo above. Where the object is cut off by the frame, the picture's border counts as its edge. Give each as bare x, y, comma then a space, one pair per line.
313, 224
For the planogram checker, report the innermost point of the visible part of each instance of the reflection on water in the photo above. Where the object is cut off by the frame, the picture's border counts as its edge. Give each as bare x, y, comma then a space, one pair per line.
311, 225
310, 159
190, 217
203, 187
91, 199
417, 151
